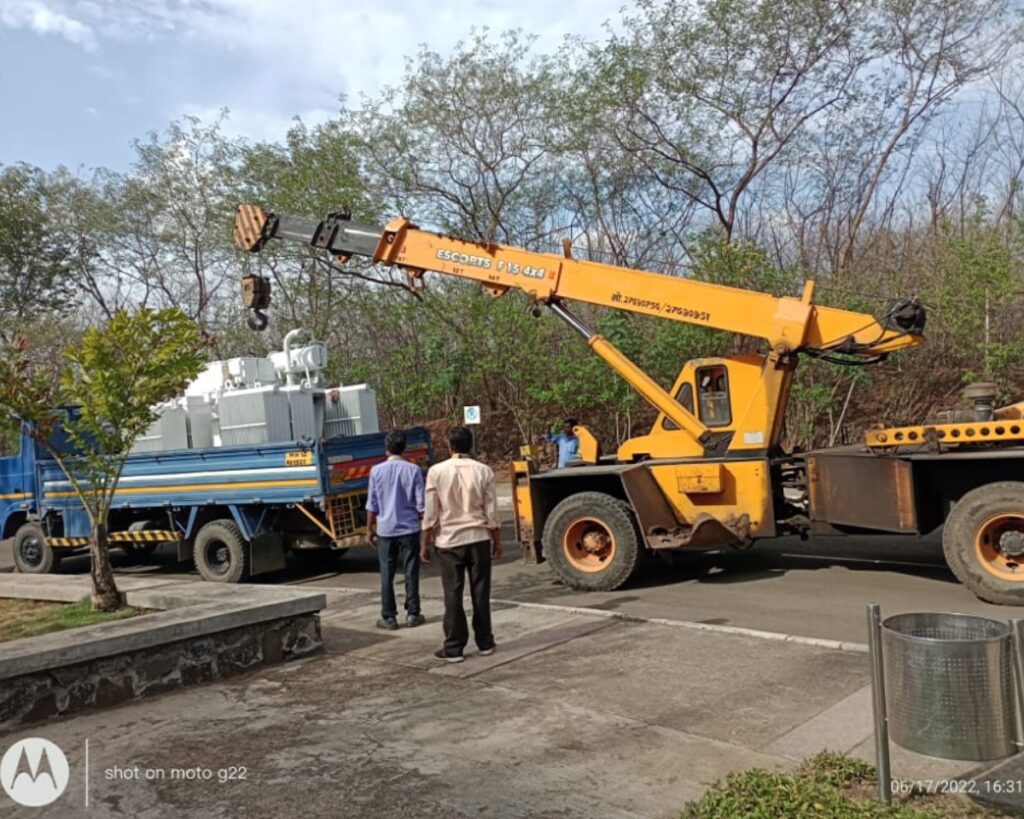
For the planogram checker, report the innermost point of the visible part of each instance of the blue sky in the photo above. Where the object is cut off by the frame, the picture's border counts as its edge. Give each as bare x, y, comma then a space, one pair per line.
80, 79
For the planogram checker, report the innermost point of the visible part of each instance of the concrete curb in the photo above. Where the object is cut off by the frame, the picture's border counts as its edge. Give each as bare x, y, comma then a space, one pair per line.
68, 588
736, 631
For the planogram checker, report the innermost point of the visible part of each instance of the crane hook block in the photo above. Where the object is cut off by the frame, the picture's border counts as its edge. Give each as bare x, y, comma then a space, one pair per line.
256, 292
256, 297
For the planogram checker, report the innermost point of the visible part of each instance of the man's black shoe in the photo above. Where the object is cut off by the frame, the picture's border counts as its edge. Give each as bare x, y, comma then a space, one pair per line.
388, 623
456, 658
484, 652
414, 620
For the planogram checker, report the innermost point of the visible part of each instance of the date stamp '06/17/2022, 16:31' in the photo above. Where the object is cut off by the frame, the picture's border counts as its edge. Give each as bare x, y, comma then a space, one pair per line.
967, 787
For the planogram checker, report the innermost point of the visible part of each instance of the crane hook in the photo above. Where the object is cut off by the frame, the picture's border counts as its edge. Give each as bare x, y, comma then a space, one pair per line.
256, 296
257, 321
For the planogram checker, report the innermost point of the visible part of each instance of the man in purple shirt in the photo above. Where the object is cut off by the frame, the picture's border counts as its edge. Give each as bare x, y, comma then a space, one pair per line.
394, 507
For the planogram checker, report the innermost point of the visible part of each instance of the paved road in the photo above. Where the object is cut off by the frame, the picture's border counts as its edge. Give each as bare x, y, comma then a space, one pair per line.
813, 589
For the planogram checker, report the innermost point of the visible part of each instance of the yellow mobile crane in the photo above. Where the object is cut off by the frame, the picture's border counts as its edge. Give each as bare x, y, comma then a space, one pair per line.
711, 471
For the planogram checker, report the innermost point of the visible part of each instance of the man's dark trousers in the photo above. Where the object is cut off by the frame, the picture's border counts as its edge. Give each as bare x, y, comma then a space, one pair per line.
389, 551
456, 562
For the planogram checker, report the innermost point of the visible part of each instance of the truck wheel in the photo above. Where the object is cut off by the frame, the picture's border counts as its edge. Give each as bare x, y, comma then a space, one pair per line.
32, 554
592, 542
220, 552
138, 552
983, 541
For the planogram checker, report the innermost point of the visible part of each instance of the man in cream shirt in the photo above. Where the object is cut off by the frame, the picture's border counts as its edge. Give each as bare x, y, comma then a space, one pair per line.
461, 520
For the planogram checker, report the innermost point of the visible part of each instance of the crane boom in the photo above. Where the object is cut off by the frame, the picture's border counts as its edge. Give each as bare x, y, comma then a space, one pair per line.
789, 325
786, 323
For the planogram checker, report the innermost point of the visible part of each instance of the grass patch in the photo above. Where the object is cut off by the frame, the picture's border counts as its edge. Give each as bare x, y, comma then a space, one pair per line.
830, 785
29, 618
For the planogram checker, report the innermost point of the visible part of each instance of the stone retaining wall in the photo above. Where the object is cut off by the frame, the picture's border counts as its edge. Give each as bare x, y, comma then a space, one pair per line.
196, 632
116, 679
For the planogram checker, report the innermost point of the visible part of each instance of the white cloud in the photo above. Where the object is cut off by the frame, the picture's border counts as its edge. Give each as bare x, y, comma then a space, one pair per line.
265, 60
325, 45
41, 18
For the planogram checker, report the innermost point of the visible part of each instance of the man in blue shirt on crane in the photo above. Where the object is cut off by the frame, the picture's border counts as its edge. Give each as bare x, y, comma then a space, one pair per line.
394, 508
567, 441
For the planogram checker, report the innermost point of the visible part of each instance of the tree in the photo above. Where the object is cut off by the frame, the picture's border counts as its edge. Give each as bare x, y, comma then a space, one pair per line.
36, 261
163, 230
464, 144
112, 380
709, 95
928, 51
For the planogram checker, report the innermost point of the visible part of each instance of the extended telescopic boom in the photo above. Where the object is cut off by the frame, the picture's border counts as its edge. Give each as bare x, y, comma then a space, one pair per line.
789, 325
784, 322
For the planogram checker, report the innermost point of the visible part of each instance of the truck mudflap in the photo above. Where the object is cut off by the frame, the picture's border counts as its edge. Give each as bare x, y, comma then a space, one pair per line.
266, 553
522, 512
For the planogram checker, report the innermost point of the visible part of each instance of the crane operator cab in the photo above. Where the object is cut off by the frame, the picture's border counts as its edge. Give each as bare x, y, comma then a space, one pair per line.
712, 406
733, 399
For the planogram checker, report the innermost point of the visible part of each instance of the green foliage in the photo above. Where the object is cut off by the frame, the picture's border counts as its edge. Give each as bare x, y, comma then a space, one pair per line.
739, 263
114, 377
29, 388
37, 259
808, 400
465, 142
836, 769
164, 227
975, 284
815, 790
316, 171
711, 93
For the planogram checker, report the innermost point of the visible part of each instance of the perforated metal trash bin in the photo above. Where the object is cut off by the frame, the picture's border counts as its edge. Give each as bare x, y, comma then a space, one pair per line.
949, 685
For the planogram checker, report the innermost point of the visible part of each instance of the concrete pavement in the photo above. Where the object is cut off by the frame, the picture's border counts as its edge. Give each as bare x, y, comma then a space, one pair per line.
574, 715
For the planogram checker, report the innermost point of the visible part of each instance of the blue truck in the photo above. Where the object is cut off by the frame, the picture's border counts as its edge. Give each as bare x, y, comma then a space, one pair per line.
233, 510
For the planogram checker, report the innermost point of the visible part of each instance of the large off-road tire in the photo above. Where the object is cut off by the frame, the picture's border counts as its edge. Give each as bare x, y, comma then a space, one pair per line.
983, 541
139, 552
32, 554
221, 553
592, 543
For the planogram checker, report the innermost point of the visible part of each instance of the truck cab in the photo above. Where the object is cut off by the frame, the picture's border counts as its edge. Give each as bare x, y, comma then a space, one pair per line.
17, 486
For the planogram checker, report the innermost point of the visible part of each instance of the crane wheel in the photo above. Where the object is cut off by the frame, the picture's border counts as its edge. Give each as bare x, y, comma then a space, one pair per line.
32, 554
592, 543
983, 541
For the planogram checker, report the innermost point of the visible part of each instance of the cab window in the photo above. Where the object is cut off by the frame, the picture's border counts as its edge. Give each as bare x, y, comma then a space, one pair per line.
684, 397
713, 396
